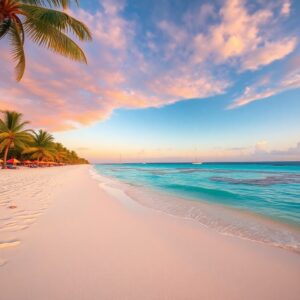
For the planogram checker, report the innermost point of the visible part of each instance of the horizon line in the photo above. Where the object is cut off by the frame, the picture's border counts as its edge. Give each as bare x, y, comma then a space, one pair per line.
206, 162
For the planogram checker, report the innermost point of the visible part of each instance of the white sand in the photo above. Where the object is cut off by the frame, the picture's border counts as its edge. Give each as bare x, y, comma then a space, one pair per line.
70, 240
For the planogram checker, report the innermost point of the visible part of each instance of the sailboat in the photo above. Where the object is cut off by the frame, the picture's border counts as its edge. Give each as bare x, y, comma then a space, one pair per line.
196, 162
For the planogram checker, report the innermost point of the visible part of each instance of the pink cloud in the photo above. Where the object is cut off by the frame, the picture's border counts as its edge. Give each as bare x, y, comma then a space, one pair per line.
260, 91
74, 94
242, 39
188, 86
270, 52
286, 8
58, 94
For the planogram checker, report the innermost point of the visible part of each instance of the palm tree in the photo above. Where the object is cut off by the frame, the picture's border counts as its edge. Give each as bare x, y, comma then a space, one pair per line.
60, 152
12, 134
42, 146
43, 25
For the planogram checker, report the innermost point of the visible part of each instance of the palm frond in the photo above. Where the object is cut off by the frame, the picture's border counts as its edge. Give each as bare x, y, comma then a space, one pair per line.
20, 145
18, 54
3, 135
21, 126
12, 120
52, 38
43, 137
57, 19
4, 28
30, 150
51, 3
20, 28
24, 136
3, 126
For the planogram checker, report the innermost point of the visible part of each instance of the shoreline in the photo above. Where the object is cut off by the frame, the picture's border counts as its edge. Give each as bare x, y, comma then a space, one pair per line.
87, 244
187, 208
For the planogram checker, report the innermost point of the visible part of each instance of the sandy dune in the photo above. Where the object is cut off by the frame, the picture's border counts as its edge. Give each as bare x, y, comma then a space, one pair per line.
70, 239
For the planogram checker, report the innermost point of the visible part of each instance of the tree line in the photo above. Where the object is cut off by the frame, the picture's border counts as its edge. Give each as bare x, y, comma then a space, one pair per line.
19, 142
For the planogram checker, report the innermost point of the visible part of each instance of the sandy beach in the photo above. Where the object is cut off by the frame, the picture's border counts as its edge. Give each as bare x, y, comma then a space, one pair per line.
68, 238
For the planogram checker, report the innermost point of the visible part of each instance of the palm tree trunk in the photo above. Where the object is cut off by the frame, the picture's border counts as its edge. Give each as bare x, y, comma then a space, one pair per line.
5, 156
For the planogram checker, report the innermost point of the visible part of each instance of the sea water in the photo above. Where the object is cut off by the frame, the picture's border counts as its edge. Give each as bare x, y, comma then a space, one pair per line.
257, 201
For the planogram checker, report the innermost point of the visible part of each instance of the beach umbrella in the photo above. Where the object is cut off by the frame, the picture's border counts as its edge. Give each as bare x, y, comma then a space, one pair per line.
13, 161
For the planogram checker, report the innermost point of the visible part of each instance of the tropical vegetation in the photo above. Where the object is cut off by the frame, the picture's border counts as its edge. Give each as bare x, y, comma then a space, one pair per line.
24, 144
42, 146
44, 25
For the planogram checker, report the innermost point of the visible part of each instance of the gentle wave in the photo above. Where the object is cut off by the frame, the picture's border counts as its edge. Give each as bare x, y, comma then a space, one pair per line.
263, 213
189, 189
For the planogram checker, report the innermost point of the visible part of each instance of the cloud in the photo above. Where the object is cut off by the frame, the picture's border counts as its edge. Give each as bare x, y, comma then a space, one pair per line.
242, 39
188, 86
269, 53
261, 146
59, 94
263, 153
182, 60
259, 152
293, 151
286, 8
263, 90
204, 13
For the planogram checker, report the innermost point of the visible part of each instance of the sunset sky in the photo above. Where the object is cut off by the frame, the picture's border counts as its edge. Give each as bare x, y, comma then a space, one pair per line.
170, 80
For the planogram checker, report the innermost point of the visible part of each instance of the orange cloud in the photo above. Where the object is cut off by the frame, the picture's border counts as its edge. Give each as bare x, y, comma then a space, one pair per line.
58, 94
269, 53
187, 86
243, 38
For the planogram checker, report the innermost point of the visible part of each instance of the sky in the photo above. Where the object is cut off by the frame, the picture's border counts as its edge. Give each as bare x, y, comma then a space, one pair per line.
169, 80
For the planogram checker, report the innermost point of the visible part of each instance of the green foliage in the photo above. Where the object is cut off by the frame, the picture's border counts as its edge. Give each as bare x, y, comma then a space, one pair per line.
52, 3
27, 144
13, 134
45, 26
41, 147
18, 54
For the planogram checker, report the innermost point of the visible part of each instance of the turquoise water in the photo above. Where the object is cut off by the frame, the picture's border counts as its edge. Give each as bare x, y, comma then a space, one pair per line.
267, 189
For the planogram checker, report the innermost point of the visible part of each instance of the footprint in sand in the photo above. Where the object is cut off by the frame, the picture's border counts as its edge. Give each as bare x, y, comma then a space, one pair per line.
10, 223
4, 219
7, 244
14, 228
28, 215
13, 206
2, 262
29, 220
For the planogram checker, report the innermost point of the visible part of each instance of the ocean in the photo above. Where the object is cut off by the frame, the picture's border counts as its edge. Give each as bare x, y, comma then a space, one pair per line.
255, 201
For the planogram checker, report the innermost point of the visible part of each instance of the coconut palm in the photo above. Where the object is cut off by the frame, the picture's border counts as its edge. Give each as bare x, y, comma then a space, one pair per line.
43, 25
42, 146
60, 152
13, 134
